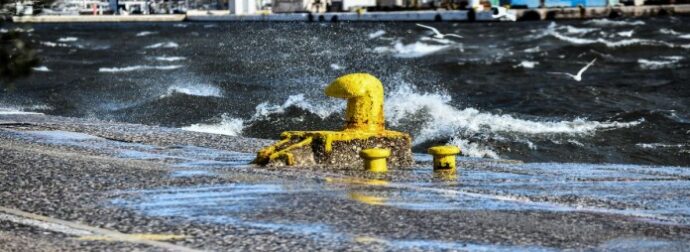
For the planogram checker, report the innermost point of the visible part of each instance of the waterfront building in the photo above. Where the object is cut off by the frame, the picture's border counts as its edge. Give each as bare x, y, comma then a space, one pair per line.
350, 5
288, 6
242, 7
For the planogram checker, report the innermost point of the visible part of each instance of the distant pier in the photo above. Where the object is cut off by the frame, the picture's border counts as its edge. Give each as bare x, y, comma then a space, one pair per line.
99, 18
397, 16
601, 12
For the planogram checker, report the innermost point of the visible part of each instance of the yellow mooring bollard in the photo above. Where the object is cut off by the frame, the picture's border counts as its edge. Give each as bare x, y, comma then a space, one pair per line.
444, 156
375, 159
364, 129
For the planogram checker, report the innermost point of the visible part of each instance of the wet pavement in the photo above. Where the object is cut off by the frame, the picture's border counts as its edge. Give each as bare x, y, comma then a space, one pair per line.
68, 184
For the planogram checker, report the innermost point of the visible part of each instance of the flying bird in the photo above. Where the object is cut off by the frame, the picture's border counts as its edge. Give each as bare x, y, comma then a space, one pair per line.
577, 77
438, 34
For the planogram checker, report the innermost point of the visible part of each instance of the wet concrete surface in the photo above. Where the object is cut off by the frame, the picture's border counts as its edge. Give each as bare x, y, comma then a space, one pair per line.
144, 181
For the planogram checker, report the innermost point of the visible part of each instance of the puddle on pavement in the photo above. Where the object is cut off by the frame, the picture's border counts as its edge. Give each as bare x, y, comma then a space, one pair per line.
180, 156
652, 191
191, 173
640, 244
251, 205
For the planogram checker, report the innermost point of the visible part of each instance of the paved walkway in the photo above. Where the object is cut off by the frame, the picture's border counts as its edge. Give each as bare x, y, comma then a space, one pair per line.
68, 184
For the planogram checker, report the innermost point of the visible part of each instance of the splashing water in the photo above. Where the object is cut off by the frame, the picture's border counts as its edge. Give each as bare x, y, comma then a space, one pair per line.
228, 126
195, 89
136, 68
414, 50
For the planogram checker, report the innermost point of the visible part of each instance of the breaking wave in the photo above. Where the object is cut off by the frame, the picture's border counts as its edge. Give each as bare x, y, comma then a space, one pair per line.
376, 34
526, 64
196, 90
322, 110
576, 30
441, 121
41, 69
667, 62
169, 59
23, 110
68, 39
136, 68
413, 50
228, 126
445, 120
608, 22
610, 44
53, 44
163, 45
335, 66
145, 33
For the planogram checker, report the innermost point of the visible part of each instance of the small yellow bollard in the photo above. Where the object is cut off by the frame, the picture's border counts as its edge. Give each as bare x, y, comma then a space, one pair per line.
375, 159
444, 156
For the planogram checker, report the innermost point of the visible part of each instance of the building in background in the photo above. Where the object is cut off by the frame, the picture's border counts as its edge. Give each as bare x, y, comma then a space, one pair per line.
242, 7
288, 6
350, 5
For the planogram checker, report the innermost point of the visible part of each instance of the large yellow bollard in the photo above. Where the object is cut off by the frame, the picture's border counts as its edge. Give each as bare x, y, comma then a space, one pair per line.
364, 94
444, 157
375, 159
364, 129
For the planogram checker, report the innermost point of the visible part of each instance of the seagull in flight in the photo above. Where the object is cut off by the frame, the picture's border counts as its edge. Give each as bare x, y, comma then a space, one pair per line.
577, 77
438, 34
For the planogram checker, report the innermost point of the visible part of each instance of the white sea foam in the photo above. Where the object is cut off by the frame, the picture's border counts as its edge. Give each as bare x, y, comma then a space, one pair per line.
17, 30
626, 33
170, 59
446, 121
611, 44
68, 39
322, 110
15, 112
668, 31
136, 68
376, 34
336, 66
673, 32
23, 110
228, 126
473, 149
437, 40
41, 69
666, 62
53, 44
195, 89
413, 50
180, 25
163, 45
535, 49
145, 33
526, 64
576, 30
608, 22
660, 145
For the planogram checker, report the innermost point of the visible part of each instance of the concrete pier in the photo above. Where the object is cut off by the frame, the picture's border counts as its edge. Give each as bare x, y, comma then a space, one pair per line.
71, 184
392, 16
601, 12
99, 18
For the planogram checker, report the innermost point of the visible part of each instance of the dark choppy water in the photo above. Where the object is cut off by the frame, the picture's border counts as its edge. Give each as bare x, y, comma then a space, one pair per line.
488, 93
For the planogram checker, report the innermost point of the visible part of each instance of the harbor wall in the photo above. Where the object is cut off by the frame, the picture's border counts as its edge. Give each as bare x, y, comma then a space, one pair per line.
399, 16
